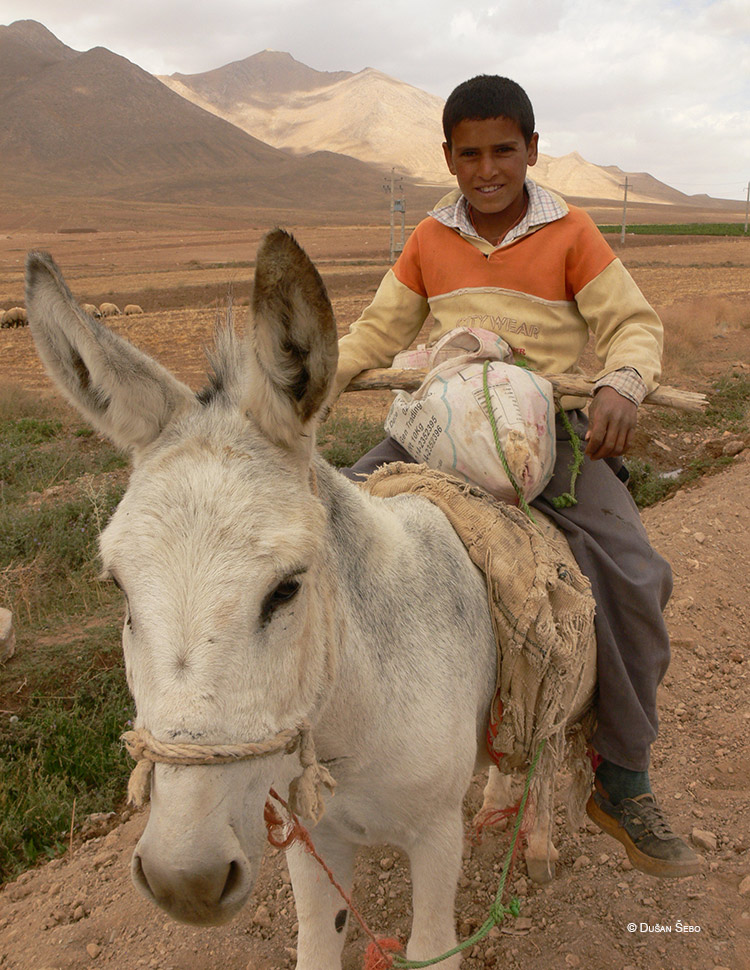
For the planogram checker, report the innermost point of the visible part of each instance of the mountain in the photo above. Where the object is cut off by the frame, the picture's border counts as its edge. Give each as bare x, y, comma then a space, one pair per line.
97, 124
26, 48
574, 177
379, 120
267, 76
264, 132
367, 115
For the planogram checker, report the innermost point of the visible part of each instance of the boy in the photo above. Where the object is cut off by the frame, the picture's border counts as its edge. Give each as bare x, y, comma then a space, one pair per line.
503, 254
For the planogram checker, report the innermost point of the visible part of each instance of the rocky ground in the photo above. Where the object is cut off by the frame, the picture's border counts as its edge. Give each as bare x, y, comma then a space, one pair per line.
81, 911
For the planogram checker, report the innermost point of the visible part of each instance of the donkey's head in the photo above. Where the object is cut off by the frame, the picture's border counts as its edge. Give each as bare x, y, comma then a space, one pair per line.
218, 547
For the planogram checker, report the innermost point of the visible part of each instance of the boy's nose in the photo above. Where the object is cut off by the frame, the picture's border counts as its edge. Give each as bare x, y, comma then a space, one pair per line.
487, 167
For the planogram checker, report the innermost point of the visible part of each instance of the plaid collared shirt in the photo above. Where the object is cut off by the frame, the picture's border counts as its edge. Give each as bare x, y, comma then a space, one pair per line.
543, 207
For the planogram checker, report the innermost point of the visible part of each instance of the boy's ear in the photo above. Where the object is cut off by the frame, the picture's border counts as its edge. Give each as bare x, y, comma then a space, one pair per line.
448, 158
533, 149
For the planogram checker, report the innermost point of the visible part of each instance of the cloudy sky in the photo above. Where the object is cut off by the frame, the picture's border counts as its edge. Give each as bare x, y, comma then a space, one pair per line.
661, 86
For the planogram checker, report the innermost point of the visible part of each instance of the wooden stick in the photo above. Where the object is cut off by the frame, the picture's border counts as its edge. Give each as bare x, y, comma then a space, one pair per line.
569, 384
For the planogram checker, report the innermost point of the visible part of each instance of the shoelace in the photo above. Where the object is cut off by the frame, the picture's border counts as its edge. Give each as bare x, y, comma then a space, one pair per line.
650, 816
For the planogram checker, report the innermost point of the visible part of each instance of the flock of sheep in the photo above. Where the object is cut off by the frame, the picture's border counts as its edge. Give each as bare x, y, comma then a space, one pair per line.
16, 316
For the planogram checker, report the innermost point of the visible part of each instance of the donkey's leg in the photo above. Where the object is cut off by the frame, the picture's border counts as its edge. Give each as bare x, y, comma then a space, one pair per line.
435, 867
321, 912
497, 796
541, 854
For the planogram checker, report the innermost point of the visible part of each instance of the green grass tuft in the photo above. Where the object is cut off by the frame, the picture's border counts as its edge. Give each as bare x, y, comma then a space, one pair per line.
61, 752
680, 229
344, 438
728, 408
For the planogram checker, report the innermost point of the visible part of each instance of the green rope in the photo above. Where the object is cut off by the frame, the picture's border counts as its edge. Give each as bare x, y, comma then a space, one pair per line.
498, 910
499, 448
567, 499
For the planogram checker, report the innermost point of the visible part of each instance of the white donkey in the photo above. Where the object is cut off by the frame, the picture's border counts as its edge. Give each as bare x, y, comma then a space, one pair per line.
264, 590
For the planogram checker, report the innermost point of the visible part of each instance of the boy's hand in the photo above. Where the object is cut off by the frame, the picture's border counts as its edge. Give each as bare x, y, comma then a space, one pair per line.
612, 420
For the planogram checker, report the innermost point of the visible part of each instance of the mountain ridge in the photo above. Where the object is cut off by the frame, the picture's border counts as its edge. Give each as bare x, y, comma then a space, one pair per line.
381, 120
93, 123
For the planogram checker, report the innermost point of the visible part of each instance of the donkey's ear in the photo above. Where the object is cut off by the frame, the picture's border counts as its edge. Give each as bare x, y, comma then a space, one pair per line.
122, 392
292, 342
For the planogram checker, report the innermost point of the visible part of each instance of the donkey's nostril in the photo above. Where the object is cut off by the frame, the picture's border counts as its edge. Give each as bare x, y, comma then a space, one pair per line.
235, 882
139, 877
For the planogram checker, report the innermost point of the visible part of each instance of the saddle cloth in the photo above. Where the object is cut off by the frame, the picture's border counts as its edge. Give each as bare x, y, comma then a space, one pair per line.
542, 613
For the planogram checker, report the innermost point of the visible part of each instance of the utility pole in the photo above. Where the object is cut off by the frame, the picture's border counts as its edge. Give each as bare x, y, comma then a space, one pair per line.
397, 205
747, 207
624, 213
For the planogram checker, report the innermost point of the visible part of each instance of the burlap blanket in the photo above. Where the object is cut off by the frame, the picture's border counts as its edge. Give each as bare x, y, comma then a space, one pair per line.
541, 606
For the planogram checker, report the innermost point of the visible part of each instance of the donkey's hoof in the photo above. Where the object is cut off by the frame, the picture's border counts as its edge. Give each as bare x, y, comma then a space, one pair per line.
540, 870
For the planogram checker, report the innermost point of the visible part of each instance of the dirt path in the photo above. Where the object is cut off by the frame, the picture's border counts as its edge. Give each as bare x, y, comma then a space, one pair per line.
82, 912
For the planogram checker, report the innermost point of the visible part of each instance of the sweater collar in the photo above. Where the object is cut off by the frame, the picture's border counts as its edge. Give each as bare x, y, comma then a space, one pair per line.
544, 207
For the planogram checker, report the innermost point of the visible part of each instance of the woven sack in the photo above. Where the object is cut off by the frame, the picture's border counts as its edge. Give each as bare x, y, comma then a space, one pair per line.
446, 422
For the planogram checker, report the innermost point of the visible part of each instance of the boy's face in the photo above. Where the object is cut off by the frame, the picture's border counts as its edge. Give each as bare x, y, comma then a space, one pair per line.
489, 158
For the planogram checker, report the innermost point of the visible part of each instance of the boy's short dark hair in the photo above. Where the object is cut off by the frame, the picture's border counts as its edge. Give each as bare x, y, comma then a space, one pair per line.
488, 96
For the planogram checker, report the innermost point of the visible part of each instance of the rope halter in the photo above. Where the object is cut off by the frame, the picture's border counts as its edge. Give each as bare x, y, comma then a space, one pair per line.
305, 792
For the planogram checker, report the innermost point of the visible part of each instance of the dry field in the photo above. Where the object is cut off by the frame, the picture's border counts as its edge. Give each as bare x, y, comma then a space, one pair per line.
80, 911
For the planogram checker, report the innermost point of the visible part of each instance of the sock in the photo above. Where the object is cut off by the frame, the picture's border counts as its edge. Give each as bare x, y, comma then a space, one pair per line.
619, 783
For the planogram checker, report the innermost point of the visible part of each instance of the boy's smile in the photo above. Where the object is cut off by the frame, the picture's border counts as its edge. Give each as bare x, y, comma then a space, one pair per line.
489, 159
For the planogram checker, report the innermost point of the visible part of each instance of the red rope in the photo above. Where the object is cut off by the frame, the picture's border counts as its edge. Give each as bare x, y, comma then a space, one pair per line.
376, 957
490, 819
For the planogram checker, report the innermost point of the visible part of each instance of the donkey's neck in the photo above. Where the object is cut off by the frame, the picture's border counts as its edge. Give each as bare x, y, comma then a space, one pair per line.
417, 631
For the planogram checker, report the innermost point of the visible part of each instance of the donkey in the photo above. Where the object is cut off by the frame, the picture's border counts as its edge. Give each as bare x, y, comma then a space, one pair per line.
264, 590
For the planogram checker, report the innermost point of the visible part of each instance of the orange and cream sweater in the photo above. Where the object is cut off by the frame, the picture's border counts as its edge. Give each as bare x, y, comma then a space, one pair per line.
550, 282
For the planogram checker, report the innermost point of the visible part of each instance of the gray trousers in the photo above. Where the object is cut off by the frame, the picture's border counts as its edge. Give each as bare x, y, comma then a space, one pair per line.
630, 581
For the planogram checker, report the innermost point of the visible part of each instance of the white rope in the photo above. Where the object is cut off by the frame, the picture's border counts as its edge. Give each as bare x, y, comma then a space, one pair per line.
305, 792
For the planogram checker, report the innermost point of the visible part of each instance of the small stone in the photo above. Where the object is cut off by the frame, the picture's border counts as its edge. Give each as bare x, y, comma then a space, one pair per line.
581, 862
521, 886
732, 448
572, 960
603, 859
699, 537
744, 888
262, 917
79, 913
704, 840
386, 863
521, 924
93, 950
684, 603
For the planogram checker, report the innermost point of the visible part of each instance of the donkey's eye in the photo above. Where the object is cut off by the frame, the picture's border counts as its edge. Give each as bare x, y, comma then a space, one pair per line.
283, 593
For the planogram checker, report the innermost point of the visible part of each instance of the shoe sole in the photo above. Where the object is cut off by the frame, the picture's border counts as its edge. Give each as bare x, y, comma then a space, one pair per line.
661, 868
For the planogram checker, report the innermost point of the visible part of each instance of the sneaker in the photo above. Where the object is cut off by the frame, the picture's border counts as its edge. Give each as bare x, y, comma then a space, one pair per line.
650, 843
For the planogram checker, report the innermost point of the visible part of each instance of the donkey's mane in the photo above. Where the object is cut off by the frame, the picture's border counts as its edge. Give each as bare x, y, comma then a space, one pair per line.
226, 364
